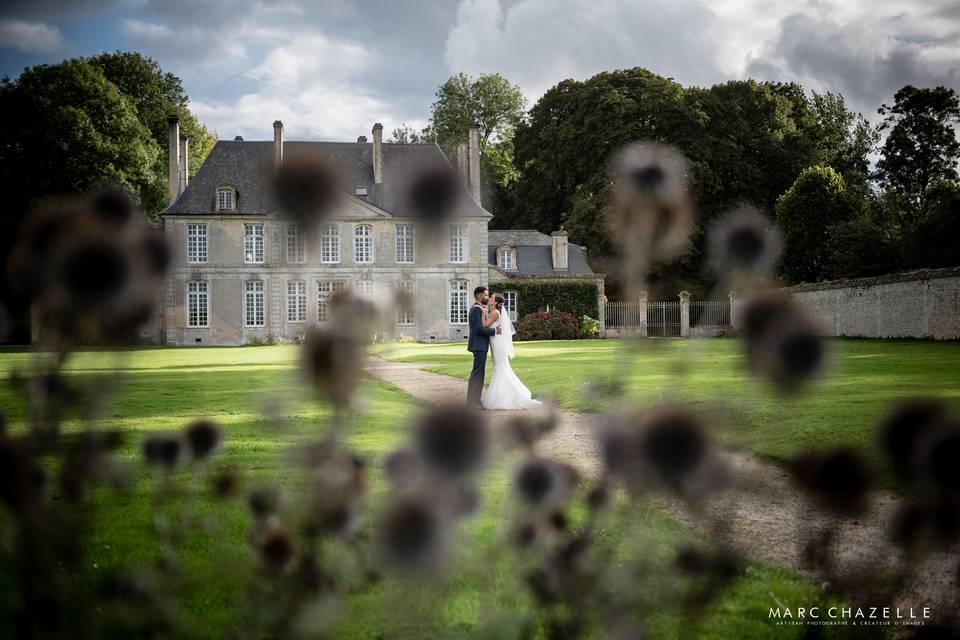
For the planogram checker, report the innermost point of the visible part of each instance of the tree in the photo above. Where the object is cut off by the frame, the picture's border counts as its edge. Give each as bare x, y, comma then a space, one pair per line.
156, 95
494, 105
816, 201
921, 149
405, 134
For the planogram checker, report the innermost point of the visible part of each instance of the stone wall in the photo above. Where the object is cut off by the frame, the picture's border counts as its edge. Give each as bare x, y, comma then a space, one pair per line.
918, 304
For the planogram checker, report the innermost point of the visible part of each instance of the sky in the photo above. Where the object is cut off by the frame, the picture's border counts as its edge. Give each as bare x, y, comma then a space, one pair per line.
331, 68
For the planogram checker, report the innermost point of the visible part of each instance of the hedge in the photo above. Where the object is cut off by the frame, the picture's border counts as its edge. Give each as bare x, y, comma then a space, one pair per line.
577, 298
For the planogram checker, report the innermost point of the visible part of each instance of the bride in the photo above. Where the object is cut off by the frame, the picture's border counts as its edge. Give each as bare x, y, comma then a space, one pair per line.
505, 390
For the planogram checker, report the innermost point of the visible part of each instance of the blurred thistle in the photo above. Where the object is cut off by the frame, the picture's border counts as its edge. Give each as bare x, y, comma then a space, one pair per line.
839, 479
544, 483
452, 439
652, 213
526, 428
306, 187
202, 438
433, 195
411, 535
163, 450
744, 247
331, 361
264, 501
782, 343
906, 428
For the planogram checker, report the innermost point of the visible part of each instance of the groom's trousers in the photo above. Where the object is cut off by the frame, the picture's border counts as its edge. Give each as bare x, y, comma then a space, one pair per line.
475, 386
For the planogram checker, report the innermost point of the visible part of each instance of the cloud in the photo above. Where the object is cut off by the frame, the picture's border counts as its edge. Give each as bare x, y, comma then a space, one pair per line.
30, 37
537, 43
867, 59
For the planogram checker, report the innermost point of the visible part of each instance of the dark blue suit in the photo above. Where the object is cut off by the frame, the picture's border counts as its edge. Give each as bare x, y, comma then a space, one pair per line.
478, 343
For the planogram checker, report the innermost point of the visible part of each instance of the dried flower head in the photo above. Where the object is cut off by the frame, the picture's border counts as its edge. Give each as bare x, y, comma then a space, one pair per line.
525, 429
306, 188
452, 439
838, 478
276, 549
906, 428
22, 479
332, 364
411, 534
433, 195
541, 482
264, 501
202, 438
163, 450
652, 214
744, 243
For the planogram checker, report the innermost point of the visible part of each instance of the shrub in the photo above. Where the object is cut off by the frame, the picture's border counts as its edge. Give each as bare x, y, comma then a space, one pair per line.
589, 328
534, 326
548, 325
405, 339
577, 297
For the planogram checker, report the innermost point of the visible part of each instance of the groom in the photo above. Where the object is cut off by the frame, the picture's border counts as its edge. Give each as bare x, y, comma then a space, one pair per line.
478, 343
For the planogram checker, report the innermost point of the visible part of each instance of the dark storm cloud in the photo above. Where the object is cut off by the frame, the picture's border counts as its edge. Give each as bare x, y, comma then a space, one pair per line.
861, 60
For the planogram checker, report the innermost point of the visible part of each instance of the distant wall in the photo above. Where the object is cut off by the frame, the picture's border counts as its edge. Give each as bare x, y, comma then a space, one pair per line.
918, 304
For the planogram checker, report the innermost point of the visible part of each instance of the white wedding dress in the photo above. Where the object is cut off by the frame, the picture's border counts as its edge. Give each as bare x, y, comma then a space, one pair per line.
506, 391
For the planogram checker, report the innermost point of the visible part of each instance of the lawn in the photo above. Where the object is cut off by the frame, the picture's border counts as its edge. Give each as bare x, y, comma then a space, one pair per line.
161, 389
863, 379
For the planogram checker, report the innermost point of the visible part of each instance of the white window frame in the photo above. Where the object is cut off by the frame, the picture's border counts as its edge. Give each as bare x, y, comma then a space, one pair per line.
364, 288
406, 244
363, 244
296, 301
326, 289
406, 313
253, 243
508, 260
229, 194
195, 295
296, 245
330, 244
197, 243
253, 304
458, 311
510, 304
459, 247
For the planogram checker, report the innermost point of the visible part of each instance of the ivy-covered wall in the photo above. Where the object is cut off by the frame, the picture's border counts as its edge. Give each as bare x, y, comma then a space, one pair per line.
576, 297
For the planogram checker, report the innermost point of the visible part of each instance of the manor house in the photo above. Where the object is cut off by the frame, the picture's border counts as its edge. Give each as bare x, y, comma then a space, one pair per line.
243, 271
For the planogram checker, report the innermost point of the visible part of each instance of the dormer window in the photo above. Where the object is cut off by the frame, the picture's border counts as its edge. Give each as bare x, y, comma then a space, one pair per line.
226, 198
507, 258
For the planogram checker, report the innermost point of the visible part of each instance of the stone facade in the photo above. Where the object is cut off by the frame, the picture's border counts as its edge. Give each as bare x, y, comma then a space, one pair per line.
218, 300
920, 304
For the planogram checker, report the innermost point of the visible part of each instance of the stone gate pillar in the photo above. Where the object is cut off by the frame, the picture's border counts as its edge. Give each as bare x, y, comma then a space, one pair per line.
684, 314
642, 314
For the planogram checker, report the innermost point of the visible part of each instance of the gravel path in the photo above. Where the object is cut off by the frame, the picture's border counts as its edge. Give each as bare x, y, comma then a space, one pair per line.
759, 513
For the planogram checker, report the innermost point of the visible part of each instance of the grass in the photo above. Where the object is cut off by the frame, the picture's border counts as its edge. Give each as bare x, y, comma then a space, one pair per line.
863, 379
161, 389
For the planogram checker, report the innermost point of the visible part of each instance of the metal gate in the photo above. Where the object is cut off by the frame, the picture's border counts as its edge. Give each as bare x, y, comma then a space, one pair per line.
663, 319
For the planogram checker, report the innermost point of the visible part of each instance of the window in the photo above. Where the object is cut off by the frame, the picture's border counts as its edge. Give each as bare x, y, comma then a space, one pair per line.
458, 243
296, 251
198, 304
253, 303
253, 243
506, 258
364, 288
363, 244
405, 243
510, 304
196, 243
225, 199
405, 312
458, 302
330, 244
325, 291
296, 301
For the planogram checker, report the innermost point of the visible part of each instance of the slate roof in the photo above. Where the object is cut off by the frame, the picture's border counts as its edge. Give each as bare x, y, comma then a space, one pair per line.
534, 254
246, 166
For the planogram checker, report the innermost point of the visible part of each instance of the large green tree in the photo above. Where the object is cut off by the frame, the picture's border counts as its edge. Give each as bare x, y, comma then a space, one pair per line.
156, 94
817, 201
494, 105
921, 149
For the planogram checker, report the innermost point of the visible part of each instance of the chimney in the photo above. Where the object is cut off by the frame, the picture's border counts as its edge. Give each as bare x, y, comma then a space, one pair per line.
462, 162
278, 142
559, 249
377, 153
362, 140
184, 160
238, 139
473, 150
173, 149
